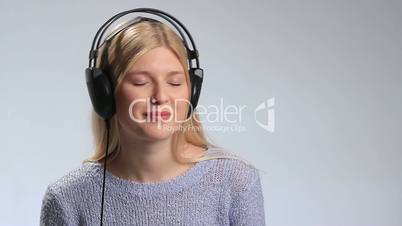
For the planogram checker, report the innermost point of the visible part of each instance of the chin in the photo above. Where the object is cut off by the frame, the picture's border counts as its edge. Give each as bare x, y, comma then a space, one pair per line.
152, 131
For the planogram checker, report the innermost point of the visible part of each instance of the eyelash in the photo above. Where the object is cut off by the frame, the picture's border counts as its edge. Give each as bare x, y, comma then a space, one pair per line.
139, 84
142, 84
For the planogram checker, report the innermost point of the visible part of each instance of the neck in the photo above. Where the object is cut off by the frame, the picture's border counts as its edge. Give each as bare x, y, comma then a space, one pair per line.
146, 161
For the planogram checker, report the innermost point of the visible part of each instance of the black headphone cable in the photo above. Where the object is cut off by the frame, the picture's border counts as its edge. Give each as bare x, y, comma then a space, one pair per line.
104, 169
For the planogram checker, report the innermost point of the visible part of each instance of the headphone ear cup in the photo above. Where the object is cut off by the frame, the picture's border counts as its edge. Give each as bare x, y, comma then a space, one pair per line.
101, 92
196, 78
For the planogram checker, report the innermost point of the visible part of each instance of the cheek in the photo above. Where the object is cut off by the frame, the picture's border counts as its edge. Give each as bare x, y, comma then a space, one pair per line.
182, 93
181, 106
181, 109
129, 101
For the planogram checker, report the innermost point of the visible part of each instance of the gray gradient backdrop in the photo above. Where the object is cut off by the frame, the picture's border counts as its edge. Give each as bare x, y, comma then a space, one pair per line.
334, 68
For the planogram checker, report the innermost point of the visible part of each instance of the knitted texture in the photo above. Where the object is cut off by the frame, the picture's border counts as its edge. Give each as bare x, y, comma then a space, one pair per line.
224, 191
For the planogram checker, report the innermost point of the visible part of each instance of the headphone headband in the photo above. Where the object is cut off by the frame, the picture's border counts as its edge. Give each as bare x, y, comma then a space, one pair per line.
192, 54
125, 26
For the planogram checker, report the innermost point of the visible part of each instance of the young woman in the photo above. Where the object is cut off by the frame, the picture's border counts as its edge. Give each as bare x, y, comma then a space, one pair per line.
161, 170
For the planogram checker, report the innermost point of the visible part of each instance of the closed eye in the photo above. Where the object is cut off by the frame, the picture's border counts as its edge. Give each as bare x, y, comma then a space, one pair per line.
140, 84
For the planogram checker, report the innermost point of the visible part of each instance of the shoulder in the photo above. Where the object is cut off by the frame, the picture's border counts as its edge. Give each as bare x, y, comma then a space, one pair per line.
238, 173
242, 189
63, 195
76, 179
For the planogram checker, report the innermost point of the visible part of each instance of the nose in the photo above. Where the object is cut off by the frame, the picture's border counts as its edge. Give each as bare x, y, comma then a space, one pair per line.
159, 96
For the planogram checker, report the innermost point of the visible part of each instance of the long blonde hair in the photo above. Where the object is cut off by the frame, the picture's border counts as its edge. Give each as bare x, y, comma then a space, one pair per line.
116, 55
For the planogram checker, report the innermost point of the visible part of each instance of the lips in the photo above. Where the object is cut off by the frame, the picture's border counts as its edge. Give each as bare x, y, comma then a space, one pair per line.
155, 114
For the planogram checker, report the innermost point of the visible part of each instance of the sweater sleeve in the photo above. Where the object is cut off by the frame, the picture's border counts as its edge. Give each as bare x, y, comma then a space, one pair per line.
248, 206
53, 212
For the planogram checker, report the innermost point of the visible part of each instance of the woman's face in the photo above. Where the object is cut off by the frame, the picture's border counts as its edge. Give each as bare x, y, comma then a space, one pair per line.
153, 97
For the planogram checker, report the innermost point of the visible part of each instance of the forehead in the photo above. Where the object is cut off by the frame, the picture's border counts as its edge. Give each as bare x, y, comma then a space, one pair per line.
159, 59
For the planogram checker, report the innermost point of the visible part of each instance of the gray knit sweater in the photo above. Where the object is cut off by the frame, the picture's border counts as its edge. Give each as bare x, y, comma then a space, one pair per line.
213, 192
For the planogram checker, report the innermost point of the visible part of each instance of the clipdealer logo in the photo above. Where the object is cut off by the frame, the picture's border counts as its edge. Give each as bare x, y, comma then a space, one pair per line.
267, 108
225, 117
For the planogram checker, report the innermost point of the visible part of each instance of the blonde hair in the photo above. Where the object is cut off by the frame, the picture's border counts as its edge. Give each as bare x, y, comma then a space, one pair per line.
115, 57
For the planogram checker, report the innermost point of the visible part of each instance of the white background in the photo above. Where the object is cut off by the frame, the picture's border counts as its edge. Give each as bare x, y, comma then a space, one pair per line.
334, 68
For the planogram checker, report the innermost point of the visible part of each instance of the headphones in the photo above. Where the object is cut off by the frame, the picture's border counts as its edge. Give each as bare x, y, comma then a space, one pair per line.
99, 82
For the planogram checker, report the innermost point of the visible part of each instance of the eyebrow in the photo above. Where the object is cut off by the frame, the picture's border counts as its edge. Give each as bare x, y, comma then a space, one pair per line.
171, 73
